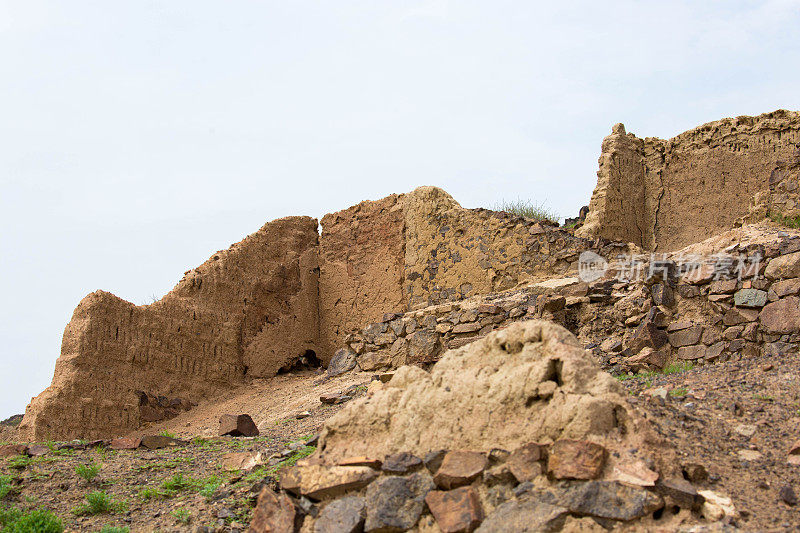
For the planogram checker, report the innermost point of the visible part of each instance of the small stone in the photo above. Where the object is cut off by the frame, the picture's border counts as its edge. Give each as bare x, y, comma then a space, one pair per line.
385, 377
10, 450
737, 315
37, 450
319, 481
371, 361
681, 492
344, 360
524, 462
302, 415
788, 495
333, 398
274, 513
787, 287
749, 455
125, 443
433, 460
782, 316
546, 389
695, 472
725, 286
342, 516
460, 468
679, 325
686, 336
690, 353
745, 430
524, 515
361, 461
237, 426
752, 298
785, 266
716, 507
467, 328
395, 503
574, 459
634, 473
401, 463
455, 511
155, 442
241, 460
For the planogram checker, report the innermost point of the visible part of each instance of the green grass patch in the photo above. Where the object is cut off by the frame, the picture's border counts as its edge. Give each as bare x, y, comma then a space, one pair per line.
88, 472
783, 220
646, 376
99, 502
115, 529
680, 392
208, 486
261, 472
527, 209
14, 520
182, 515
6, 486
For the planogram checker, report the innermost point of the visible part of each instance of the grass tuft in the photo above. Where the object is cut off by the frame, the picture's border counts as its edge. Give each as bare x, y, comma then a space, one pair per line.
783, 220
13, 520
527, 209
88, 472
99, 502
115, 529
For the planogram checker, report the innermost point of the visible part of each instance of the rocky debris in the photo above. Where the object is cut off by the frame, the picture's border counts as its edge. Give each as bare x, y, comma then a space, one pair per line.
274, 513
525, 516
680, 491
342, 361
334, 398
788, 495
319, 481
241, 460
716, 506
572, 459
459, 468
395, 503
455, 511
237, 426
401, 463
524, 462
345, 515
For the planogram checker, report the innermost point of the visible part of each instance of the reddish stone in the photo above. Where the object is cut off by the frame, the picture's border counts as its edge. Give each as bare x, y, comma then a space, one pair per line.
576, 459
10, 450
237, 426
459, 468
455, 511
361, 461
36, 450
524, 462
274, 513
126, 443
782, 316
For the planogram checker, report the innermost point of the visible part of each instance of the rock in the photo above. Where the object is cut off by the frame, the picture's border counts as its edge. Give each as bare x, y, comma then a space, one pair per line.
546, 389
785, 266
467, 328
782, 316
345, 515
361, 461
662, 294
524, 462
433, 460
611, 345
788, 495
688, 291
634, 473
237, 426
647, 335
424, 347
681, 492
37, 450
395, 503
401, 463
574, 459
695, 472
274, 513
724, 286
749, 455
334, 398
745, 430
648, 356
784, 288
155, 442
344, 360
10, 450
459, 468
679, 325
455, 511
302, 415
241, 460
125, 443
370, 361
499, 474
716, 507
604, 499
320, 481
524, 516
686, 336
750, 298
385, 377
690, 353
737, 315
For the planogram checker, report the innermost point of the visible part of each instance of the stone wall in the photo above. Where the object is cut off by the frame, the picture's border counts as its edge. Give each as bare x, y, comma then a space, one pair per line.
665, 194
247, 311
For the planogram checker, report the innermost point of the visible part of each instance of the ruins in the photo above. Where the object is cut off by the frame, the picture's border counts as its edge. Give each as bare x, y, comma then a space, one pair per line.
298, 292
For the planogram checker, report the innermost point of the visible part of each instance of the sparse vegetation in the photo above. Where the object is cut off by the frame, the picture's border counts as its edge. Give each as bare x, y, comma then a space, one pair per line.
679, 392
783, 220
646, 376
88, 472
261, 472
182, 515
13, 520
527, 209
99, 502
115, 529
6, 486
169, 434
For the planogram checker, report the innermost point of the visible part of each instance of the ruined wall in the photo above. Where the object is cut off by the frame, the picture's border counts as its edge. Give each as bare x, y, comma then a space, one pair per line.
247, 311
665, 194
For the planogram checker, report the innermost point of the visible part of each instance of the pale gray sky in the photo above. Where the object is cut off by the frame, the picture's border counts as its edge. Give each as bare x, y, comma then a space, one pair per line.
138, 137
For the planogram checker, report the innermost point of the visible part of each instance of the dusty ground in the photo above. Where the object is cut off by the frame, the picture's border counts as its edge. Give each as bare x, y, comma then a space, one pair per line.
706, 413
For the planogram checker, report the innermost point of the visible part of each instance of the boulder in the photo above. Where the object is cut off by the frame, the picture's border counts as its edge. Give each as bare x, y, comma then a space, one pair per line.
782, 316
460, 468
753, 298
320, 481
574, 459
237, 426
401, 463
125, 443
156, 442
603, 499
345, 515
784, 266
344, 360
525, 516
395, 503
524, 462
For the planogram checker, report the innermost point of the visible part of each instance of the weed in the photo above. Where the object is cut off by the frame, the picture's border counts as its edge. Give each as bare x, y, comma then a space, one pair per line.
182, 515
527, 209
169, 434
783, 220
19, 462
14, 520
675, 368
115, 529
152, 493
99, 502
208, 486
88, 472
680, 392
178, 483
764, 397
272, 471
6, 486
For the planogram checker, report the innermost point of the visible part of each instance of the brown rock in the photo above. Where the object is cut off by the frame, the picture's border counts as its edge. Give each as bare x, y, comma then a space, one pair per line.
726, 286
647, 335
320, 481
681, 492
686, 337
125, 443
455, 511
782, 316
237, 426
737, 315
361, 461
345, 515
459, 468
466, 328
274, 513
10, 450
648, 356
787, 287
370, 361
573, 459
241, 460
785, 266
524, 462
156, 442
690, 353
401, 463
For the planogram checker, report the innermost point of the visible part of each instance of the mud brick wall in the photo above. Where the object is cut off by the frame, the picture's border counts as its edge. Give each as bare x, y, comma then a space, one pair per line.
665, 194
247, 311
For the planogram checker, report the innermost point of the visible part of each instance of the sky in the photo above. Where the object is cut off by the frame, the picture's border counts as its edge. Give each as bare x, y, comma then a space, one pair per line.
138, 137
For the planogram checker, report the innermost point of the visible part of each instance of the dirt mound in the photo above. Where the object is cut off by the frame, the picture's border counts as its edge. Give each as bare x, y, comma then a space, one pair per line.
529, 382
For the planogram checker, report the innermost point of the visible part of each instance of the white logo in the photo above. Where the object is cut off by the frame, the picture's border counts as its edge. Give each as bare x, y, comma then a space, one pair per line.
591, 266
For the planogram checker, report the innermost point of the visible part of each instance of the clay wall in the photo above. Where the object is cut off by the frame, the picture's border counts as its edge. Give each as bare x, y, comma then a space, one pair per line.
665, 194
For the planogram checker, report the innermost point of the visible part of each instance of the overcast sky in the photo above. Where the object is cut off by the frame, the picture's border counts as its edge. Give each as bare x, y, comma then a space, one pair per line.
138, 137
